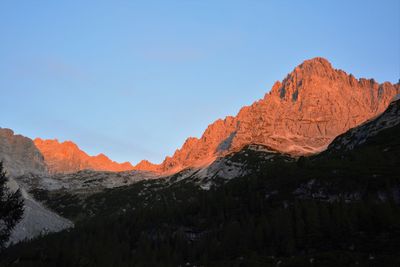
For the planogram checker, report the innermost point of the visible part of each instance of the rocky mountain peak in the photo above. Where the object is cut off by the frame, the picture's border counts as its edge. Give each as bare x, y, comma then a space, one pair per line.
300, 115
317, 64
67, 157
146, 165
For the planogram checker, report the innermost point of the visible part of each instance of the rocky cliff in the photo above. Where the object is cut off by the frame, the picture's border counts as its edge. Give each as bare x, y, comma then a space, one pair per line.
300, 115
66, 157
19, 154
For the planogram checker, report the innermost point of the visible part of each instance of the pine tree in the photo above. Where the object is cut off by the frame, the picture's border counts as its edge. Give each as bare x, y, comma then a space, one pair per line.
11, 208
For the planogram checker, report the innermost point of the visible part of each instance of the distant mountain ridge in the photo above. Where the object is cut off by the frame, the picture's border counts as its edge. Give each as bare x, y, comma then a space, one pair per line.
67, 157
22, 155
338, 207
300, 116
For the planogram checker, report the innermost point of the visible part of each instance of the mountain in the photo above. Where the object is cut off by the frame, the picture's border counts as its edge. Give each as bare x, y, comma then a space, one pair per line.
300, 116
66, 157
374, 144
21, 158
378, 136
19, 154
340, 207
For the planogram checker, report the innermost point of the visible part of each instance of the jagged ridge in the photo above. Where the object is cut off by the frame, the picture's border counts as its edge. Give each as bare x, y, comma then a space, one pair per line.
66, 157
301, 115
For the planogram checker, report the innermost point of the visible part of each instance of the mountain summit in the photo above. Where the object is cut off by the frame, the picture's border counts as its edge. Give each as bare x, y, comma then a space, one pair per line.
300, 115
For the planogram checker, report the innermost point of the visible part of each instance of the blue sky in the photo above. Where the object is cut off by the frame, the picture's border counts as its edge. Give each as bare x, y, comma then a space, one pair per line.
133, 79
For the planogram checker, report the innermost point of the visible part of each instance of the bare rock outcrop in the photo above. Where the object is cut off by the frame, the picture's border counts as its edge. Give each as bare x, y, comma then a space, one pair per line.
20, 155
146, 166
300, 115
66, 157
314, 104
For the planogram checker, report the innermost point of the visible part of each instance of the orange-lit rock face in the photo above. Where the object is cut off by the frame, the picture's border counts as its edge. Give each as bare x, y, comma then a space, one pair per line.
146, 165
66, 157
312, 105
301, 115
